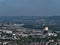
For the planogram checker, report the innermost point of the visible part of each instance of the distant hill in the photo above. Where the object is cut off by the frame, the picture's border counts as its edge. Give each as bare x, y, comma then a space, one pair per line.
55, 18
29, 19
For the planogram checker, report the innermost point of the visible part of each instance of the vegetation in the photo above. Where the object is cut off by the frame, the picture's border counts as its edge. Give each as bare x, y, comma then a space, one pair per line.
54, 27
30, 39
32, 26
51, 27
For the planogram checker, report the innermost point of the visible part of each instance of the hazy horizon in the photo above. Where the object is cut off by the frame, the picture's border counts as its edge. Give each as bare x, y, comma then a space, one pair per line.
29, 7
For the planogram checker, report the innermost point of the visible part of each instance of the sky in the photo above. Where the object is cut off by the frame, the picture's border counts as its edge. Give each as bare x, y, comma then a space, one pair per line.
29, 7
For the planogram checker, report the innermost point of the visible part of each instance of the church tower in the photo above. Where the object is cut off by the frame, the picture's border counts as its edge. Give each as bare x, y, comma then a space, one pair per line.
45, 30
